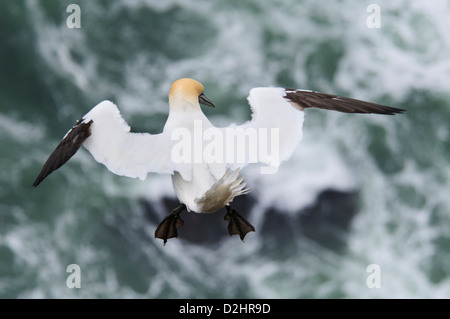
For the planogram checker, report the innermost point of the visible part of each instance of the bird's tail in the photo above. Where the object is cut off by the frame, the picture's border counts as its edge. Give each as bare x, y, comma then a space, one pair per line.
223, 191
235, 184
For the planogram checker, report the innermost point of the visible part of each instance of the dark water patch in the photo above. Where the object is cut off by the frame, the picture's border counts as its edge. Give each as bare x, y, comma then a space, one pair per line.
200, 228
325, 222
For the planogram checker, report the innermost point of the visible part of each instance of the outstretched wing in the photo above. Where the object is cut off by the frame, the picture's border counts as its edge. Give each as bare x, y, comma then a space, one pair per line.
277, 119
106, 135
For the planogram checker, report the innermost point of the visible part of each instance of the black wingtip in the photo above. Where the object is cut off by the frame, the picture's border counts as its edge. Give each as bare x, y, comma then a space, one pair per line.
39, 179
388, 110
65, 149
398, 111
312, 99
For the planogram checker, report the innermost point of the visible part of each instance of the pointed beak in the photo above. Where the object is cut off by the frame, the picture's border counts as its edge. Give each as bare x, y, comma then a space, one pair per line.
202, 99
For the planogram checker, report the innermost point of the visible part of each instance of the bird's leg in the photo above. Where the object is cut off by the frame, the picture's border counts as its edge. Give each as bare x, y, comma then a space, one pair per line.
168, 227
237, 225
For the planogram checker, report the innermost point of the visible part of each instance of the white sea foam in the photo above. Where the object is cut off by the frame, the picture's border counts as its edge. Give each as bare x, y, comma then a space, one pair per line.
20, 131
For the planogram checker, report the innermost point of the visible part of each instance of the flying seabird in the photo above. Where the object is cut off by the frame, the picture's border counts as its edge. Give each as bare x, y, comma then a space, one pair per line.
201, 185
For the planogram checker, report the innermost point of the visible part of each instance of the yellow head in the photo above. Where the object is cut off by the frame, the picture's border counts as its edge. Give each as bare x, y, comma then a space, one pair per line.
188, 90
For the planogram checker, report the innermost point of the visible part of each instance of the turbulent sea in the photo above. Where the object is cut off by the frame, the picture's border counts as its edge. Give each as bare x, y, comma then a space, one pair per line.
360, 189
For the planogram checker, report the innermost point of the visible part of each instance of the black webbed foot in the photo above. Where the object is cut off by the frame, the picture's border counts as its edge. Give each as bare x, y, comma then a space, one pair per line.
168, 227
237, 225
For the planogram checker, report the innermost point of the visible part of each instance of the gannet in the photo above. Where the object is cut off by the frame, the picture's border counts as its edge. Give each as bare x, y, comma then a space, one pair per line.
201, 186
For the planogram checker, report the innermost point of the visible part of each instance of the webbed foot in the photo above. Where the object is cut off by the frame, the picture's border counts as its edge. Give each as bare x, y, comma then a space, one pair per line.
168, 227
237, 225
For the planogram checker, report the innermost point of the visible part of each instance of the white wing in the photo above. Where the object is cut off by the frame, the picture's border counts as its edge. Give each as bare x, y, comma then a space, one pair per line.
122, 152
106, 135
272, 134
275, 129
